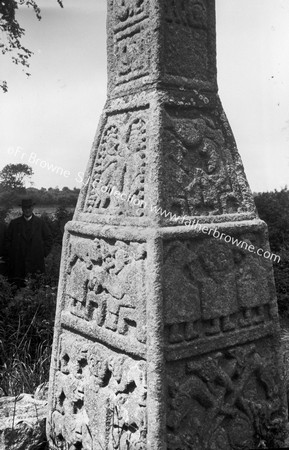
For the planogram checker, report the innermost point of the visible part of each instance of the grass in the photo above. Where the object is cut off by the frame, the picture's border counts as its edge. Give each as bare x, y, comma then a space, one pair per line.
27, 317
22, 373
26, 332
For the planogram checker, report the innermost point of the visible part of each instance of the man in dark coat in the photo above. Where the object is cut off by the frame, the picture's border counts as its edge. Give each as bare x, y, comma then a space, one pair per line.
29, 241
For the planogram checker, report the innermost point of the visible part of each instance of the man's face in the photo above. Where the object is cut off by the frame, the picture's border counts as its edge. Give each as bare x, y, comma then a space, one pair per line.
27, 211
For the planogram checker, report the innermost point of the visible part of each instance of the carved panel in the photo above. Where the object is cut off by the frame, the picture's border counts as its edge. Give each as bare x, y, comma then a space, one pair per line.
99, 398
131, 40
216, 402
213, 288
191, 13
106, 284
186, 39
133, 55
203, 176
128, 12
120, 165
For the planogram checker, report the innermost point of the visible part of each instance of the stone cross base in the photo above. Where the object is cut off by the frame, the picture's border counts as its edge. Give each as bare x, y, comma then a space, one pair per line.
166, 334
166, 339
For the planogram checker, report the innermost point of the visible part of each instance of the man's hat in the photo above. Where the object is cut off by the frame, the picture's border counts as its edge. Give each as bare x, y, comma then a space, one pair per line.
27, 203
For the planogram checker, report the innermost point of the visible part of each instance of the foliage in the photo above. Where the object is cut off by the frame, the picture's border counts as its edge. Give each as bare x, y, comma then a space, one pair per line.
51, 197
26, 331
6, 204
52, 264
26, 321
57, 222
12, 33
13, 177
12, 186
281, 274
56, 225
273, 208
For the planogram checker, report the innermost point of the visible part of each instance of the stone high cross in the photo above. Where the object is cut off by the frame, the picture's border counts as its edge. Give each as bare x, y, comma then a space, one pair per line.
166, 336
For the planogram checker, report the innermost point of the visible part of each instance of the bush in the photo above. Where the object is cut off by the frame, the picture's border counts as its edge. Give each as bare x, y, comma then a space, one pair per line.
27, 320
26, 333
273, 208
52, 265
57, 222
281, 275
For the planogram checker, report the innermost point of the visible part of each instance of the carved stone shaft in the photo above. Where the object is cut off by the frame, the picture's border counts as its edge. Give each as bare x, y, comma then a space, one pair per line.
166, 332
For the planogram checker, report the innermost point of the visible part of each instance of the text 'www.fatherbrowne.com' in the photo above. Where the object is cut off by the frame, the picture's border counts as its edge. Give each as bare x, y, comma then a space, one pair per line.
192, 223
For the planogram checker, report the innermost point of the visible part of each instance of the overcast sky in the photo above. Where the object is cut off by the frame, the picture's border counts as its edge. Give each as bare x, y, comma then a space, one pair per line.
53, 114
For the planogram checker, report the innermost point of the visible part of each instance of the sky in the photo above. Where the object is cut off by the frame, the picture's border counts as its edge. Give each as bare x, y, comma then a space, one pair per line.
49, 119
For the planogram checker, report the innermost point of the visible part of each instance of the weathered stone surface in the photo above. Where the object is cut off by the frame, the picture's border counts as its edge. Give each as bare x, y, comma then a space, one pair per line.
120, 162
22, 422
221, 289
100, 397
166, 337
204, 175
105, 285
215, 401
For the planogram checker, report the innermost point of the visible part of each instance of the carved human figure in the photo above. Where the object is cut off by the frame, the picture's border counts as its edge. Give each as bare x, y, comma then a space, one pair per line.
108, 170
210, 188
136, 146
181, 294
118, 388
130, 402
79, 265
252, 285
182, 139
104, 284
197, 178
120, 164
114, 289
69, 417
208, 182
96, 389
218, 286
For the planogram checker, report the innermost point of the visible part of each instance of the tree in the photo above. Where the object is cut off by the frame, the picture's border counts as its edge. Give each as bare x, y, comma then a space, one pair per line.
13, 176
12, 33
273, 208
